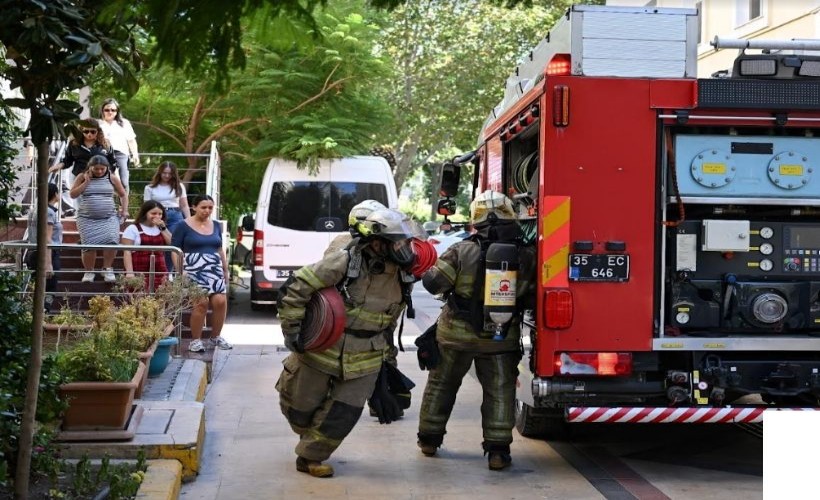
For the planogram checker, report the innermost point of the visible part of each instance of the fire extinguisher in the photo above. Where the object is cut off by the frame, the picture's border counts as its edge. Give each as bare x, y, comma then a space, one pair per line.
499, 286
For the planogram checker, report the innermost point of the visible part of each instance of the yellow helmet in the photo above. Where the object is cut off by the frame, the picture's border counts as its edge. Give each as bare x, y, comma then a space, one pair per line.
491, 206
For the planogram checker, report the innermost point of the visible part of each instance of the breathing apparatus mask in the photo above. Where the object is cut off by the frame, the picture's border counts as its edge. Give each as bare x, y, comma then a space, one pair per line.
400, 240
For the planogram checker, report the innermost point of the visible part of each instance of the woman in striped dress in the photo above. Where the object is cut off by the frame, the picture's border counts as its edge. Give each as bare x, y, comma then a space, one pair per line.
97, 218
204, 261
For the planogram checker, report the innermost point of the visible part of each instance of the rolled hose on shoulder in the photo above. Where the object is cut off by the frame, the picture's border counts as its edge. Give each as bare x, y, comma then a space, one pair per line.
425, 257
324, 320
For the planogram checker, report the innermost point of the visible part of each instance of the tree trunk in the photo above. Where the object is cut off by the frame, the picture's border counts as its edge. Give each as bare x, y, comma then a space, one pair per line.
21, 478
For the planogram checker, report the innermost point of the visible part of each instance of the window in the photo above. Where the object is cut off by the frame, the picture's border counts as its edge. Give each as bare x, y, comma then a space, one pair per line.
747, 10
308, 205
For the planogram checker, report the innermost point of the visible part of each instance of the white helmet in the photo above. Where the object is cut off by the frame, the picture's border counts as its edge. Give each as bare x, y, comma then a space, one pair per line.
391, 225
491, 206
360, 211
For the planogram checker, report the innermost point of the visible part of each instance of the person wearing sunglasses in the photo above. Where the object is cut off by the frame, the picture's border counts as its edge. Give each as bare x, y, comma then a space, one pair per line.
122, 136
89, 141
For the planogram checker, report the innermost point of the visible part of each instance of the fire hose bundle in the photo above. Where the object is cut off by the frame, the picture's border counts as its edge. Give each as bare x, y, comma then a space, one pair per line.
324, 320
425, 257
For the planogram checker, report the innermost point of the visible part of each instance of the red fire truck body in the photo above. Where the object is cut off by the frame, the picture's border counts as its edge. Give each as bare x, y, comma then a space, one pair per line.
676, 221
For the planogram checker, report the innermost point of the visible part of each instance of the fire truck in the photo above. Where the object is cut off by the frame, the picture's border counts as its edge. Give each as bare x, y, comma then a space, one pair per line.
676, 219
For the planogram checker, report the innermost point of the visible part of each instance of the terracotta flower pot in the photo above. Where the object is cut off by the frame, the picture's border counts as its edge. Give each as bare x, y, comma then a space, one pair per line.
99, 405
145, 358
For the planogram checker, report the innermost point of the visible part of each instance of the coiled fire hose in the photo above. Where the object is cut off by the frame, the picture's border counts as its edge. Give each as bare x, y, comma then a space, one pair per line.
324, 320
426, 256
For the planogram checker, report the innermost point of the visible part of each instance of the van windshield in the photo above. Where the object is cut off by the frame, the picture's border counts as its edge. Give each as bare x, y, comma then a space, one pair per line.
319, 206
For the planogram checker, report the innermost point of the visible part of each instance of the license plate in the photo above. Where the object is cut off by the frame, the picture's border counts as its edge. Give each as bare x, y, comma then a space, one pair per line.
283, 273
598, 267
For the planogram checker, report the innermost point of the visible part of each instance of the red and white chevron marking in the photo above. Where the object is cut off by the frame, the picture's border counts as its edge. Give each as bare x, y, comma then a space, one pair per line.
654, 415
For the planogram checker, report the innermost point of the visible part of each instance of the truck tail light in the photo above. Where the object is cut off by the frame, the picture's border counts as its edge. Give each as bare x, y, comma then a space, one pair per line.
560, 106
258, 247
560, 64
608, 364
558, 308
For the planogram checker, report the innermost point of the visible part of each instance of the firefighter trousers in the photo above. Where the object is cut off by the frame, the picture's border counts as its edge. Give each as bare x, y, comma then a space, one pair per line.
496, 372
320, 408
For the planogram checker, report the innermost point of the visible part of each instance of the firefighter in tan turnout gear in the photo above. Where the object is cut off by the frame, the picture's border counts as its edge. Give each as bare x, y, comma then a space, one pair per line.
322, 393
465, 337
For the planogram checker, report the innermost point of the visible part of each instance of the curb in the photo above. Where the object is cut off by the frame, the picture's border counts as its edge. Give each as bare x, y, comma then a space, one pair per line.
163, 480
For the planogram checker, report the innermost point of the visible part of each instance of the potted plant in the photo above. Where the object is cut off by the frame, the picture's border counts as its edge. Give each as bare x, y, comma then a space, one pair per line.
102, 381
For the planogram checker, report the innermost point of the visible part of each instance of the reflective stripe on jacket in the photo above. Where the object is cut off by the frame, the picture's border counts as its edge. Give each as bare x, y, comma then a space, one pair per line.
373, 303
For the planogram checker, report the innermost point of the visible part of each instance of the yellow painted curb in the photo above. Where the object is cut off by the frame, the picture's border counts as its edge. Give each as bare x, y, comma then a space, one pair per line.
163, 480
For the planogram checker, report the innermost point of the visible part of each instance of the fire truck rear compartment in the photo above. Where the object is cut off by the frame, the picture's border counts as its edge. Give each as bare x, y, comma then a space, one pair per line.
688, 379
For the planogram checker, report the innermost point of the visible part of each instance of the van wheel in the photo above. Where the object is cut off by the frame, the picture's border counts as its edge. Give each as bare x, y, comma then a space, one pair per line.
540, 423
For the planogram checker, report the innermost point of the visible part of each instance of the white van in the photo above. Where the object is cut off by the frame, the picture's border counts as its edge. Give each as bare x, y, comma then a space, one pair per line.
298, 214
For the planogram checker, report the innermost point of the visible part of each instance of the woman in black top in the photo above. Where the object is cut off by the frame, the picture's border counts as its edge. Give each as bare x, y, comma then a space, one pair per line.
79, 151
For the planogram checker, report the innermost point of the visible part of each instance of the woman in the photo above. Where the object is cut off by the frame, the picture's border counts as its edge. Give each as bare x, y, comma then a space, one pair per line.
121, 134
204, 261
77, 153
149, 228
167, 188
97, 218
54, 235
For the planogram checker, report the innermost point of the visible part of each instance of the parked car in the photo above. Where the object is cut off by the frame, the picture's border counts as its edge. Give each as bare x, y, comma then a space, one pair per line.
443, 241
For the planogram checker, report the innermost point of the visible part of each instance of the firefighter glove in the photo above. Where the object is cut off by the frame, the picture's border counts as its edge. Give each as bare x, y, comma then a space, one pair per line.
399, 385
428, 352
382, 401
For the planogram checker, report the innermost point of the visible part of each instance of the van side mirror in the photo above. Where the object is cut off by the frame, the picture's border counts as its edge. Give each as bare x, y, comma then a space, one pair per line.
446, 207
450, 176
248, 223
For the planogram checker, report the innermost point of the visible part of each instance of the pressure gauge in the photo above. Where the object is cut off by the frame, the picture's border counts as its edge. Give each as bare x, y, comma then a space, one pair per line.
766, 248
766, 265
682, 318
766, 232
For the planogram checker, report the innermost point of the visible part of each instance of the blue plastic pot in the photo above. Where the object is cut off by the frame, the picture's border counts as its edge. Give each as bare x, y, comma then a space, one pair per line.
162, 356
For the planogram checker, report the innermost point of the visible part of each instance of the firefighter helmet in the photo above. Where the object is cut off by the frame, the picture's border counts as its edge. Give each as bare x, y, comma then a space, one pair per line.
392, 225
491, 206
361, 211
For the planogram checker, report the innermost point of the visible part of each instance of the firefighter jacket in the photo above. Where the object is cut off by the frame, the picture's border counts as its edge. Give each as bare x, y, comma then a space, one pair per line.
455, 272
373, 304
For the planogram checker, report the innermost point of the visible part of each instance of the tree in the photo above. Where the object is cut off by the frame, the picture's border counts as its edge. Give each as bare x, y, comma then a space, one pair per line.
452, 59
52, 45
209, 34
309, 99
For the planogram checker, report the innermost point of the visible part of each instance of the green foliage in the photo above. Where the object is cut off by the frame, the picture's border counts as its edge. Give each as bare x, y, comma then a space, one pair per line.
452, 59
9, 135
15, 352
97, 360
54, 44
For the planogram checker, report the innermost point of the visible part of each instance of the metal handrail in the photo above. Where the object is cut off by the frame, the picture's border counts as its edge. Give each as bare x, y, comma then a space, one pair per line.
20, 245
25, 245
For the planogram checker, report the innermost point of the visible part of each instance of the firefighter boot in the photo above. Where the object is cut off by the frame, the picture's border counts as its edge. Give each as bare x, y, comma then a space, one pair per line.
429, 443
498, 455
314, 468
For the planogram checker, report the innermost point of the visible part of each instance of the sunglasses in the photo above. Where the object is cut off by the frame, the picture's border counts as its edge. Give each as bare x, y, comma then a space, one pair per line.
90, 131
109, 110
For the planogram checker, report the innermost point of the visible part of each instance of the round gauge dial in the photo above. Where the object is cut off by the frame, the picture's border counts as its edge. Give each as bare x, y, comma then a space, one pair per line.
766, 232
682, 318
766, 249
766, 265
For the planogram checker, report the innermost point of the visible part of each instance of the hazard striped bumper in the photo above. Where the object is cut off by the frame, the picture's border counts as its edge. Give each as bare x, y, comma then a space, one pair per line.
654, 415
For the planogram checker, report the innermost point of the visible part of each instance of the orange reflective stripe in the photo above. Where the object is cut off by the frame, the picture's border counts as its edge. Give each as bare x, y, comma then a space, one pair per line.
555, 241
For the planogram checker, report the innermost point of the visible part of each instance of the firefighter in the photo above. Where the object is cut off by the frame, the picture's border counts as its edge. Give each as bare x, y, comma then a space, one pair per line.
322, 394
463, 335
357, 214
